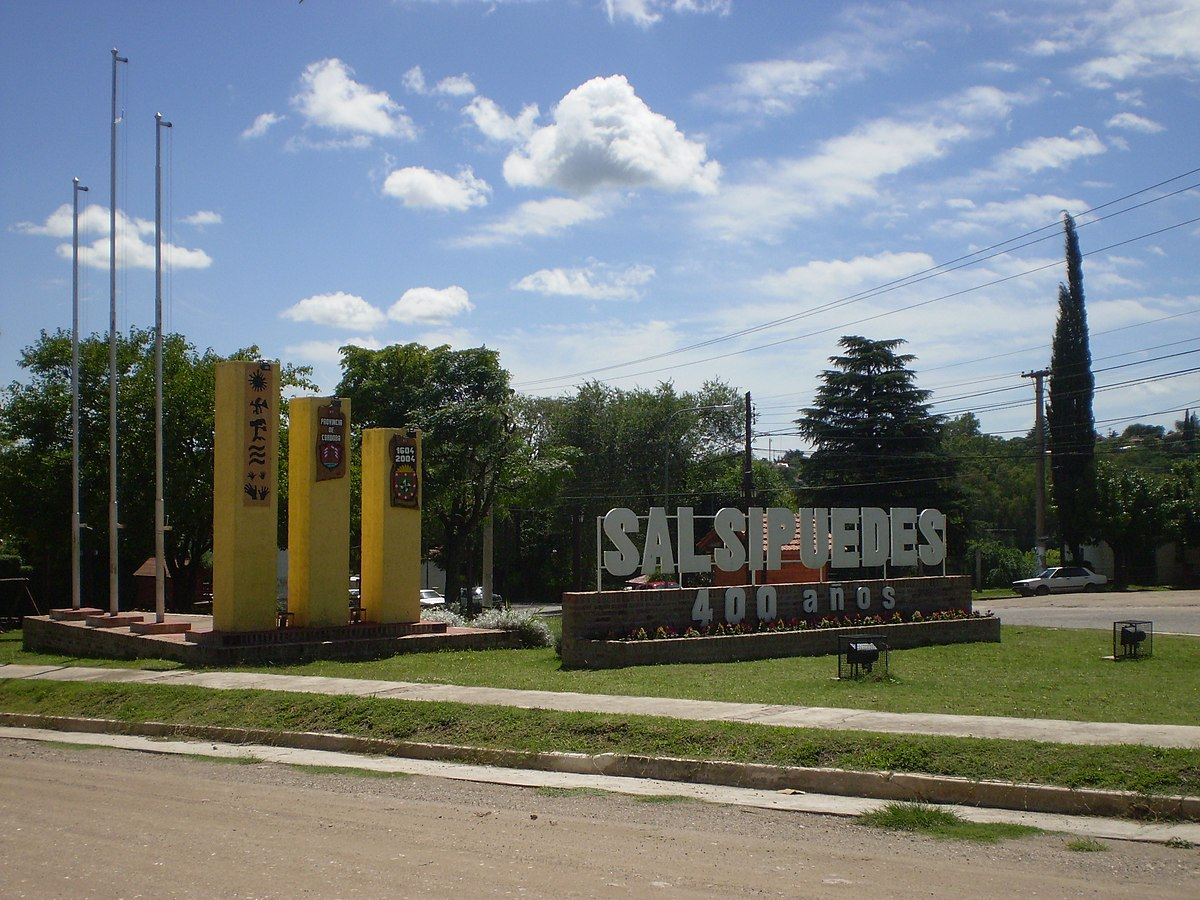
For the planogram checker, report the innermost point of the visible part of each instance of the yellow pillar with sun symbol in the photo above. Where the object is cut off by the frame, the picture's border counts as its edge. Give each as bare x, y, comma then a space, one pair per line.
319, 510
245, 495
391, 525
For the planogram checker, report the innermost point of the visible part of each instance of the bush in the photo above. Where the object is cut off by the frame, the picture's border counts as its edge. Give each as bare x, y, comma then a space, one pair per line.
532, 630
1001, 565
443, 614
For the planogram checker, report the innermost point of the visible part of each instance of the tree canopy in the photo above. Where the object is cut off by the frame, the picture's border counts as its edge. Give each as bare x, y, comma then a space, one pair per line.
35, 457
1072, 435
461, 401
875, 441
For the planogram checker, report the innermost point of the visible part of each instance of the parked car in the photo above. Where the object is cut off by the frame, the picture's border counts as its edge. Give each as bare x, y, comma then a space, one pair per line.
1061, 580
476, 597
430, 597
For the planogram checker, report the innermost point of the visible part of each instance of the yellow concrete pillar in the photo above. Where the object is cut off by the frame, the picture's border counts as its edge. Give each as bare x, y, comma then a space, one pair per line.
245, 495
319, 510
391, 525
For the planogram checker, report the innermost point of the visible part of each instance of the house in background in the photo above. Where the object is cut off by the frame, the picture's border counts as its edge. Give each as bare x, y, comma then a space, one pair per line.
792, 571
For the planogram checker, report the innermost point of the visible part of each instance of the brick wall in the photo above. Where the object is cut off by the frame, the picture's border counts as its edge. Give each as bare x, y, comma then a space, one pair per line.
611, 615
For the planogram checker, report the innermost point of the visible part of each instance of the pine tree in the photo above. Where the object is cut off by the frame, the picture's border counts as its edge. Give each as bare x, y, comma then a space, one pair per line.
1072, 434
876, 442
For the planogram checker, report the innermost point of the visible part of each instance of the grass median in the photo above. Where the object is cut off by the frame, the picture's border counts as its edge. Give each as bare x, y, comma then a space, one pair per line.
1034, 672
1145, 770
1042, 673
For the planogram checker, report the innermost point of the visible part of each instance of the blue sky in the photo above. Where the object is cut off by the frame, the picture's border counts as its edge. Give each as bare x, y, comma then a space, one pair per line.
629, 190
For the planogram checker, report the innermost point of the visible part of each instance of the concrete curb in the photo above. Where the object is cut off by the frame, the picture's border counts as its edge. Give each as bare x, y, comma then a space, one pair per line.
838, 782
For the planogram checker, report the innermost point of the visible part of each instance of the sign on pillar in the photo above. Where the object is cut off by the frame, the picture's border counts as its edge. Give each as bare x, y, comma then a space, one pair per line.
245, 495
318, 510
391, 525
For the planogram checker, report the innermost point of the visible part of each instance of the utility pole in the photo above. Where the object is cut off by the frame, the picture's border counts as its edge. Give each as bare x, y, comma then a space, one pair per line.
1040, 432
747, 468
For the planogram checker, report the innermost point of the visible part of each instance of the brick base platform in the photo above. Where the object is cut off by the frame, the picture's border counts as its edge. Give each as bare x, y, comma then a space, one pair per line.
201, 646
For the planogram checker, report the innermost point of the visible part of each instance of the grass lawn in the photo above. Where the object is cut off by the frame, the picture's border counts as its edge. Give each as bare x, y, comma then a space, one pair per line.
1034, 672
1144, 770
1037, 672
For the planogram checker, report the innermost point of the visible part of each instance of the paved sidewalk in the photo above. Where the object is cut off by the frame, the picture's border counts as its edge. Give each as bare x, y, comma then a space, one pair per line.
994, 727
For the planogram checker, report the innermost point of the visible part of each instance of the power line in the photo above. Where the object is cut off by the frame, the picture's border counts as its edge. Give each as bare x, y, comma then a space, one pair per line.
915, 278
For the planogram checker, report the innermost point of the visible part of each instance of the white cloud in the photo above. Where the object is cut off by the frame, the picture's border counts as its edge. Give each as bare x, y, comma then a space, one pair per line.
339, 310
773, 86
850, 168
202, 218
826, 280
1133, 122
426, 304
1143, 38
1048, 153
535, 218
422, 188
605, 136
135, 240
331, 98
261, 125
845, 169
414, 81
645, 13
497, 125
453, 86
1025, 213
595, 282
327, 351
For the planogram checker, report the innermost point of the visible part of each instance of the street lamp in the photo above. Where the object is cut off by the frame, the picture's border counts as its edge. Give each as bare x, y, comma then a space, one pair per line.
667, 446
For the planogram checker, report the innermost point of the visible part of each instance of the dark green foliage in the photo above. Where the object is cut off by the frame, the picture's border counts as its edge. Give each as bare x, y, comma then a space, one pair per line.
461, 401
1072, 437
876, 442
35, 458
1000, 565
996, 479
1133, 516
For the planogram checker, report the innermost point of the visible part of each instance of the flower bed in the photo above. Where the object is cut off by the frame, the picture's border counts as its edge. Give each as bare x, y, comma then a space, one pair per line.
776, 626
731, 646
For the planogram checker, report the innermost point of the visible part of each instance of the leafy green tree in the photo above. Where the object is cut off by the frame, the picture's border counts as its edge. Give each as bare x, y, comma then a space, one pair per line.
35, 457
632, 448
1130, 516
461, 401
996, 480
875, 441
1072, 436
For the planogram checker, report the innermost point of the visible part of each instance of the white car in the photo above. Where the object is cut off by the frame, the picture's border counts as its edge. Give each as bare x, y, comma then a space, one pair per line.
1061, 580
430, 597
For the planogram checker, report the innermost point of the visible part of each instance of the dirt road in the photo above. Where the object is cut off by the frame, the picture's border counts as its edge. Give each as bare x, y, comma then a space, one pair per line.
107, 823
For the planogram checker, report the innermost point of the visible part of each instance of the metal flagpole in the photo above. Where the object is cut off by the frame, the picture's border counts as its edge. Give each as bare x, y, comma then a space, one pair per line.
76, 581
159, 512
113, 523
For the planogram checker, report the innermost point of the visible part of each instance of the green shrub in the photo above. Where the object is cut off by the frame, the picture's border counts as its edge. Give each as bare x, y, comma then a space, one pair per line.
533, 631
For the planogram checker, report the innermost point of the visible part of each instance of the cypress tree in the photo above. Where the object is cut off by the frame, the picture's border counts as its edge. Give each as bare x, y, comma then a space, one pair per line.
1072, 433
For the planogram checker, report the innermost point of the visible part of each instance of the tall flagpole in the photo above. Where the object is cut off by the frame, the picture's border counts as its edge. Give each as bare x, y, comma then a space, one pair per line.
160, 522
113, 522
76, 581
